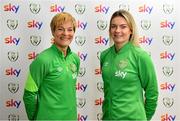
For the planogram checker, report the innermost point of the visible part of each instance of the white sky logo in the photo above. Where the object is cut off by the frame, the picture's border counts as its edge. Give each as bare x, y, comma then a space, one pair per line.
120, 74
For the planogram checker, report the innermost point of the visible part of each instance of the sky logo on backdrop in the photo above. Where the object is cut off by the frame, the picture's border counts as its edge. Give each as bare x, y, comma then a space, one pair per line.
11, 8
32, 55
101, 9
12, 72
166, 55
167, 86
101, 40
82, 117
82, 56
97, 71
56, 8
167, 24
13, 103
81, 25
145, 40
99, 101
12, 40
167, 117
34, 24
146, 9
81, 87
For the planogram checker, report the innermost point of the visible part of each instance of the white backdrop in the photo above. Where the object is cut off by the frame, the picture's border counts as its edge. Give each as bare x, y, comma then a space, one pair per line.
25, 32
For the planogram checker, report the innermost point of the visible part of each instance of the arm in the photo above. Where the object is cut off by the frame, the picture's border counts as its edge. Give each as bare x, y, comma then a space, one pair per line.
149, 84
31, 91
30, 98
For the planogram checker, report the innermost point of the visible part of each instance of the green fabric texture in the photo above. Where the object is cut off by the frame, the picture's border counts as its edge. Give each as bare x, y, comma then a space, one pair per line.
30, 84
31, 104
130, 84
54, 77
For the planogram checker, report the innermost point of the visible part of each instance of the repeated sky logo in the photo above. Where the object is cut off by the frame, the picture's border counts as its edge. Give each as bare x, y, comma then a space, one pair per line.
81, 87
167, 55
82, 117
101, 9
13, 103
167, 24
12, 72
34, 24
11, 8
82, 24
145, 40
11, 40
100, 40
145, 9
32, 55
167, 86
57, 8
168, 117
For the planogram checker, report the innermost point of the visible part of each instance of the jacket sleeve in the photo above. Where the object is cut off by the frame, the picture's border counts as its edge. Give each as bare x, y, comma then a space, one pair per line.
30, 97
30, 101
31, 91
149, 83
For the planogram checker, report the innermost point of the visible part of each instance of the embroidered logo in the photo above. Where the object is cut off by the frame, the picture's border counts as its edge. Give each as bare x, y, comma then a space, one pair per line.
59, 69
74, 70
123, 64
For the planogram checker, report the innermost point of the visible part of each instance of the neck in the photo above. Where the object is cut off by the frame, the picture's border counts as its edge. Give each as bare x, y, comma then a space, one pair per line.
63, 49
118, 46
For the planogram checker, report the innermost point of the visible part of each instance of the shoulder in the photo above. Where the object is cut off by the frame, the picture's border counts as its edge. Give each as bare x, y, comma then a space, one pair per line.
43, 57
105, 52
140, 53
75, 56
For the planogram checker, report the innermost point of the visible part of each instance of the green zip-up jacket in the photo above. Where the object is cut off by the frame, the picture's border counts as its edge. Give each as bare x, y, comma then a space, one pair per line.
130, 84
50, 89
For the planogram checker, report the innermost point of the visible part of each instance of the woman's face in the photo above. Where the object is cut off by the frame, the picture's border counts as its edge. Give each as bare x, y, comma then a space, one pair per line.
63, 34
119, 30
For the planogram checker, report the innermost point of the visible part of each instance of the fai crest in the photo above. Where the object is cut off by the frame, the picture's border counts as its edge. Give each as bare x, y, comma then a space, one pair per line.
35, 8
82, 71
100, 86
12, 24
145, 24
13, 87
167, 40
98, 54
13, 117
102, 25
168, 102
81, 102
168, 9
123, 64
99, 116
124, 7
80, 8
13, 56
167, 71
35, 40
80, 40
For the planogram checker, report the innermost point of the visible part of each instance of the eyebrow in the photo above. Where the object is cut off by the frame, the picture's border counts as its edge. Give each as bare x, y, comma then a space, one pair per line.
120, 24
64, 28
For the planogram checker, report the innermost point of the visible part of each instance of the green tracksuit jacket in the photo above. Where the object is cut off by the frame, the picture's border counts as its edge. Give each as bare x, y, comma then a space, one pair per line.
128, 76
50, 90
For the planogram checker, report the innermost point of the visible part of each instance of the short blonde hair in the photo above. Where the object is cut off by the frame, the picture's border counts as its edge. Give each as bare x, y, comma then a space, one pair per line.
61, 18
131, 23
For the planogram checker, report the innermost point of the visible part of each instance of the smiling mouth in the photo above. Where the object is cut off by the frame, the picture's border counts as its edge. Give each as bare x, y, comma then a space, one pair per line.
64, 38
